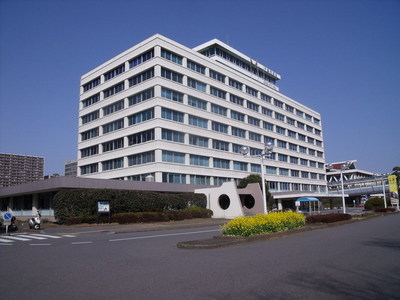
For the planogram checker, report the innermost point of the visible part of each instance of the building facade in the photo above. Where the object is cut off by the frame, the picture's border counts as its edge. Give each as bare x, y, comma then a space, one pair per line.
17, 169
163, 112
70, 168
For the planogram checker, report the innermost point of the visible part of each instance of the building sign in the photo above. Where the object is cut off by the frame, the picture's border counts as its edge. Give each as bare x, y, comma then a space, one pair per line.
103, 206
392, 183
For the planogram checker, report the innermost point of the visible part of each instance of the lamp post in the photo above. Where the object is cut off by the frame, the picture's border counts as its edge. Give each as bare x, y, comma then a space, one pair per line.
383, 187
268, 147
343, 167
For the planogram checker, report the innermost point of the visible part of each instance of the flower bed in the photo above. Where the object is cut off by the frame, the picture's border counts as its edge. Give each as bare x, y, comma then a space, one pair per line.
263, 223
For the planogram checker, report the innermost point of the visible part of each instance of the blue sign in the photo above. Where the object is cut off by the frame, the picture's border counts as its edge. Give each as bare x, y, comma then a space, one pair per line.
7, 216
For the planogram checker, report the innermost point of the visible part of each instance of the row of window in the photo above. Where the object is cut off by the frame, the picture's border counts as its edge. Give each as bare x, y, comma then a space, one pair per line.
178, 59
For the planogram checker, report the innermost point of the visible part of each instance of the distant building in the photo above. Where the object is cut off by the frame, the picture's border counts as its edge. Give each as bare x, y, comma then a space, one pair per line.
71, 168
17, 169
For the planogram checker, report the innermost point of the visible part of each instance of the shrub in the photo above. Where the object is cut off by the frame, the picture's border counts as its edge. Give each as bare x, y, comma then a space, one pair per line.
375, 202
328, 218
389, 209
263, 223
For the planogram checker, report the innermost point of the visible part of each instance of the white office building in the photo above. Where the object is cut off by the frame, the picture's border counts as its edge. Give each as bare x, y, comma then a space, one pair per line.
164, 112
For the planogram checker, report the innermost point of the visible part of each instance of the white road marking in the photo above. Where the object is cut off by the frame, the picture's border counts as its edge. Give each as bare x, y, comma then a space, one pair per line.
39, 244
68, 235
5, 241
162, 235
47, 236
80, 243
30, 236
16, 238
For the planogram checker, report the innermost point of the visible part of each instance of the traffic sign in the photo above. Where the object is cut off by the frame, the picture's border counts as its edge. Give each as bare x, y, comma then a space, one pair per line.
7, 216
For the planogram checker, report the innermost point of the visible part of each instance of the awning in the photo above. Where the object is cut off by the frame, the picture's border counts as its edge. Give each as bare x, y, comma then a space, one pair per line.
307, 199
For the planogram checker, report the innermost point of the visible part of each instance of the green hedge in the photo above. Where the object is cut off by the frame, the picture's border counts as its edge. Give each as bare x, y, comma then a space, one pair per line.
376, 202
328, 218
145, 217
82, 203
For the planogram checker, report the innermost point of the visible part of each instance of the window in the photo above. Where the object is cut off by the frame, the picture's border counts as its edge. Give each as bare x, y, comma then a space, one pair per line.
141, 158
237, 115
220, 180
284, 186
235, 84
198, 85
280, 130
217, 92
320, 154
301, 137
91, 84
197, 121
171, 95
254, 136
221, 163
294, 160
145, 75
317, 131
253, 121
171, 56
268, 139
251, 91
311, 152
141, 137
118, 124
141, 116
294, 173
240, 166
252, 106
109, 109
268, 126
279, 117
88, 169
174, 157
199, 179
113, 145
217, 76
198, 141
171, 135
278, 103
195, 102
313, 164
267, 112
90, 117
282, 144
290, 121
171, 75
255, 151
300, 125
271, 170
217, 109
89, 151
292, 147
114, 89
318, 143
198, 160
220, 145
86, 135
236, 148
216, 126
196, 67
172, 115
317, 121
113, 164
308, 117
238, 132
283, 172
91, 100
302, 149
282, 157
141, 58
114, 72
173, 178
142, 96
304, 174
303, 162
255, 168
266, 98
292, 134
310, 140
236, 99
299, 113
289, 108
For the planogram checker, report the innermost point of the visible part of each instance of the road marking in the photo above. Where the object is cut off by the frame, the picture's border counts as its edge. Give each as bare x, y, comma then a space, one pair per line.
162, 235
16, 238
47, 236
39, 244
68, 235
30, 236
80, 243
5, 241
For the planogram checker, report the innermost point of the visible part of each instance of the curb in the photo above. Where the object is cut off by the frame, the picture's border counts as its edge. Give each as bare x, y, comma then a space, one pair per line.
220, 241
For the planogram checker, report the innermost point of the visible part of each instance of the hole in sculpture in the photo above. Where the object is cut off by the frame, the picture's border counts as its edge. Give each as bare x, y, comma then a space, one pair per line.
224, 201
249, 201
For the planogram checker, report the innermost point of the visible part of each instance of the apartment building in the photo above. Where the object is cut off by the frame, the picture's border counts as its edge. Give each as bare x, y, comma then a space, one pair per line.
163, 112
17, 169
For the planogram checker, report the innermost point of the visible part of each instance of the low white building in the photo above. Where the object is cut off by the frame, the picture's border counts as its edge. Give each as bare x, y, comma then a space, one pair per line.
164, 112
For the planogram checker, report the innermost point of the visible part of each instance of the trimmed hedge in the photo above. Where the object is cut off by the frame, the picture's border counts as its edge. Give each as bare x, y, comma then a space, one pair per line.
82, 203
389, 209
375, 202
328, 218
145, 217
263, 223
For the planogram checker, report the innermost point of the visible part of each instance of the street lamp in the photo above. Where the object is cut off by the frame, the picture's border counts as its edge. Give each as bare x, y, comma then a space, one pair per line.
268, 147
383, 187
343, 167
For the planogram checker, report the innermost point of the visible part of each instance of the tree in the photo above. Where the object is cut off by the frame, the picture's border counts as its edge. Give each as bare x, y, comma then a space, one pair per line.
255, 178
396, 171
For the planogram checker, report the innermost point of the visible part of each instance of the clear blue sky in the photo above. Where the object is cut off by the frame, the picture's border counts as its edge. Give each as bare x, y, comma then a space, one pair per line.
339, 57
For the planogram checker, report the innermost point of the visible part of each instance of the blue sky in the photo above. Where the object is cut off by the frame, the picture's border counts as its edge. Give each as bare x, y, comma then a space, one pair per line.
339, 57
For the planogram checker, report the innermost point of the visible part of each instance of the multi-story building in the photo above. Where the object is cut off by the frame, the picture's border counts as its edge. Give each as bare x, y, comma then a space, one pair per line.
16, 169
70, 168
163, 111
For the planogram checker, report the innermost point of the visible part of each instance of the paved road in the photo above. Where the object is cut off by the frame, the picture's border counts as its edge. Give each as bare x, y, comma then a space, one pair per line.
354, 261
